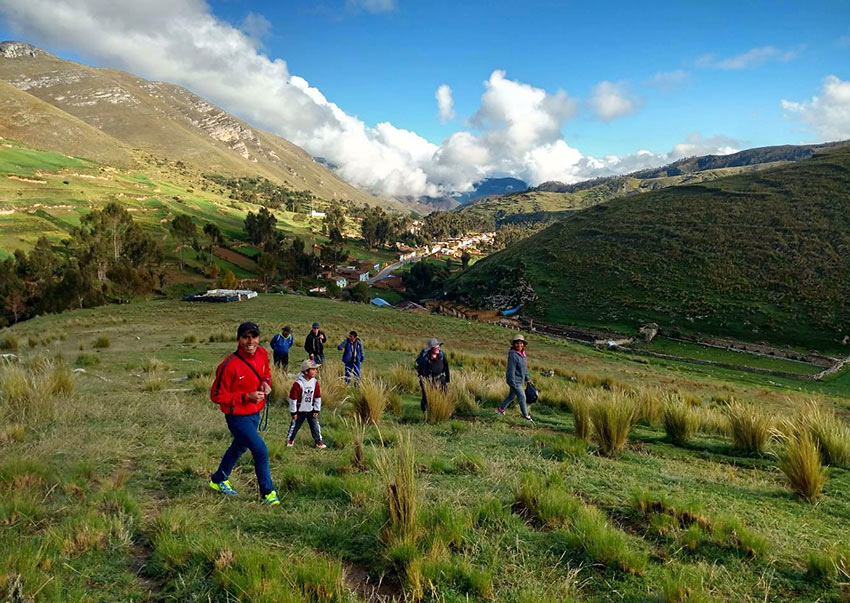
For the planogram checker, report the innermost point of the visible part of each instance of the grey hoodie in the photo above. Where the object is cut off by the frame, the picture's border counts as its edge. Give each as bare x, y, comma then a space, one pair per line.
517, 373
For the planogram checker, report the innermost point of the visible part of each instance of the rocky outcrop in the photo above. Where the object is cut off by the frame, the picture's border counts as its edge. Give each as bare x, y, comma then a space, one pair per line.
18, 50
648, 331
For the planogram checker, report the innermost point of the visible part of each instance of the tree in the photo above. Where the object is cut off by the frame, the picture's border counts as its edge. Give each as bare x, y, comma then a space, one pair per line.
333, 252
267, 266
228, 280
214, 236
334, 219
184, 230
260, 227
360, 293
464, 259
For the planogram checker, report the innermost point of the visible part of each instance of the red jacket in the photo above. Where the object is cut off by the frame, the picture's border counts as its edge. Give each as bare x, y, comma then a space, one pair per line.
234, 380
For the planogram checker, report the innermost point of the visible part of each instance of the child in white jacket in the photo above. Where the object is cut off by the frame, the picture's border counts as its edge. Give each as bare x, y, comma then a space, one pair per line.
305, 403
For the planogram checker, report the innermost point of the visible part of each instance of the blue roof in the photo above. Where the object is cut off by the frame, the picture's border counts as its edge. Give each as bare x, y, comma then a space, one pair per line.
381, 302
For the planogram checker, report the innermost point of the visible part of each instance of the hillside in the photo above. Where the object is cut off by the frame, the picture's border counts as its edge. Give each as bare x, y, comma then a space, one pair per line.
757, 257
158, 118
554, 200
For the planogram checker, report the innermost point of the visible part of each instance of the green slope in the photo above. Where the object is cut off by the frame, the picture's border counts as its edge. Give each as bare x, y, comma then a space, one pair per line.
761, 257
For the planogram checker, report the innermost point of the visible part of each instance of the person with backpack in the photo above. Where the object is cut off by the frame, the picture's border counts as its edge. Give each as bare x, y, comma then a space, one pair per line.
305, 403
280, 344
314, 344
517, 376
433, 366
242, 382
352, 356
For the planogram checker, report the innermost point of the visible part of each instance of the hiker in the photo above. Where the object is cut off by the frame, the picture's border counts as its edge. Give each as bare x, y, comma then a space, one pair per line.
516, 376
242, 382
305, 403
432, 365
314, 344
280, 344
352, 356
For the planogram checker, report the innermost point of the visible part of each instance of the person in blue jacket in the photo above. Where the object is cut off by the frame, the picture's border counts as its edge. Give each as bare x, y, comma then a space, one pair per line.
352, 356
280, 345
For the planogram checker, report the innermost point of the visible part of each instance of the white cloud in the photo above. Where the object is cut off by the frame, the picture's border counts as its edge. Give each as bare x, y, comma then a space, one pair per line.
828, 113
668, 80
695, 144
371, 6
751, 58
516, 130
611, 100
445, 103
255, 26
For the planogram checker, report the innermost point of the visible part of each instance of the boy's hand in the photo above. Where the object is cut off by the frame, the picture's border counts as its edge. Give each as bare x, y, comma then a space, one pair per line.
294, 416
254, 396
315, 414
266, 388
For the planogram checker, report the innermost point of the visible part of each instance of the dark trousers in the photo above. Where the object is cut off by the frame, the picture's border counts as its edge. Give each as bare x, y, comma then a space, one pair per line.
281, 360
298, 421
441, 380
354, 367
245, 437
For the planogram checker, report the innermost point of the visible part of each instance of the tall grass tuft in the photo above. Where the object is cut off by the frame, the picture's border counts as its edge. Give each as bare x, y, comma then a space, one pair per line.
60, 380
481, 387
335, 390
358, 437
651, 404
101, 342
800, 462
403, 378
829, 432
441, 402
398, 472
579, 403
613, 415
154, 365
29, 395
680, 420
280, 383
10, 342
749, 426
369, 399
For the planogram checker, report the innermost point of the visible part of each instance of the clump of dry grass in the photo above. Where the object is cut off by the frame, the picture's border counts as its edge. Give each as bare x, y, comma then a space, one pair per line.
358, 436
280, 385
613, 415
481, 387
679, 419
154, 365
749, 426
403, 378
830, 433
650, 403
712, 421
441, 403
578, 400
28, 393
335, 390
800, 462
369, 399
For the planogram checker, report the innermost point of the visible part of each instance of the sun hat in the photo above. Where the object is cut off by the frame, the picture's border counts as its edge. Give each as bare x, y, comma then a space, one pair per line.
308, 364
519, 338
432, 343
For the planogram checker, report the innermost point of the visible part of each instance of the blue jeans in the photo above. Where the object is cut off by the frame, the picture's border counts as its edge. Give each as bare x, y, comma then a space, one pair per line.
352, 368
245, 437
519, 393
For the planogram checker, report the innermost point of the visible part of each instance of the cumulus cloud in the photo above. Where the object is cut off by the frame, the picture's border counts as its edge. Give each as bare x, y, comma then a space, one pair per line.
445, 103
751, 58
516, 130
828, 113
611, 100
371, 6
668, 80
255, 26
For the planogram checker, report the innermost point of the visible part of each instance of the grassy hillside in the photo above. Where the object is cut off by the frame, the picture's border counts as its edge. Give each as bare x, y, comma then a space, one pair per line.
555, 200
155, 117
757, 257
104, 475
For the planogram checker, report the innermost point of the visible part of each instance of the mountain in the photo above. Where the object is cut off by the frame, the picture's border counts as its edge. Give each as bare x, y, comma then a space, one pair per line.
554, 200
757, 256
491, 186
125, 113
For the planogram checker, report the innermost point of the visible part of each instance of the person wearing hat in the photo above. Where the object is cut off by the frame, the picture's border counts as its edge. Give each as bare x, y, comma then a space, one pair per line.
516, 376
314, 344
281, 343
432, 365
242, 382
305, 403
352, 356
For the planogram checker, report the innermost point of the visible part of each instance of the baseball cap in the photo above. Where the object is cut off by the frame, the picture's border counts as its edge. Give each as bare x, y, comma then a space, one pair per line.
247, 327
315, 325
308, 364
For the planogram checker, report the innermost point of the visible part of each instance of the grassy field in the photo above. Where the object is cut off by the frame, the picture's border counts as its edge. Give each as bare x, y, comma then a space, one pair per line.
103, 475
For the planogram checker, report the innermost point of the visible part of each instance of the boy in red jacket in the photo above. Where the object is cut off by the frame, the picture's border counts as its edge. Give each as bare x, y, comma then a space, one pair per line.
242, 382
305, 403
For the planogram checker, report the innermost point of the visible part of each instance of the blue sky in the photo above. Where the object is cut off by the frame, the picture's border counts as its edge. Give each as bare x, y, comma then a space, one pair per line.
539, 90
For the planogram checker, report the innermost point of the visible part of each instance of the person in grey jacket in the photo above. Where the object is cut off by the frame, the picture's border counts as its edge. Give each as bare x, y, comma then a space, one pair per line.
516, 376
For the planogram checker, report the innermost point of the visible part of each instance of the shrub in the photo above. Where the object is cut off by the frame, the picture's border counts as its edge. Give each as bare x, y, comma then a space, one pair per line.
800, 462
10, 342
280, 386
550, 505
220, 337
579, 403
370, 399
441, 402
403, 378
613, 415
749, 427
101, 342
680, 421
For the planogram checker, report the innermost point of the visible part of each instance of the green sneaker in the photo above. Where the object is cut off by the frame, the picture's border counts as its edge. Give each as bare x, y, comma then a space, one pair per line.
223, 487
271, 498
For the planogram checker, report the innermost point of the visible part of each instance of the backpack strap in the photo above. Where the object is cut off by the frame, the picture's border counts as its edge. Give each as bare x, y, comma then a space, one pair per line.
253, 370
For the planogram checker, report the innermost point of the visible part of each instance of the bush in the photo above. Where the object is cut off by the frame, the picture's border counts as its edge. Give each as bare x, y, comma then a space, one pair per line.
680, 421
441, 402
749, 427
10, 342
370, 399
579, 403
613, 415
800, 462
101, 342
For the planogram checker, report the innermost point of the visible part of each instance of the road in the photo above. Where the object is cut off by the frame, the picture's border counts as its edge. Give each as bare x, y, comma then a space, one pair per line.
388, 270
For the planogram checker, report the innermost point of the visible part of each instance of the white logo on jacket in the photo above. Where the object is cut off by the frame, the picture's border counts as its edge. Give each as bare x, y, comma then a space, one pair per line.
305, 392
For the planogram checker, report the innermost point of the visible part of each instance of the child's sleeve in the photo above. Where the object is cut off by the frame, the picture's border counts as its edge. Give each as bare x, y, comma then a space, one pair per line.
294, 396
317, 399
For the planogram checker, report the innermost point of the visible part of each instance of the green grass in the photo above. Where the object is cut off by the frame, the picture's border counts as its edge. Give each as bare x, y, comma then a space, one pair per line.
107, 499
